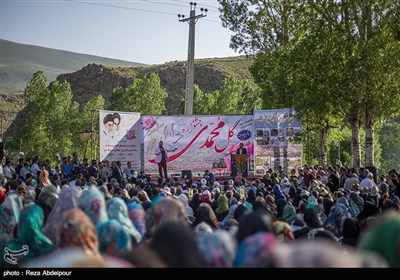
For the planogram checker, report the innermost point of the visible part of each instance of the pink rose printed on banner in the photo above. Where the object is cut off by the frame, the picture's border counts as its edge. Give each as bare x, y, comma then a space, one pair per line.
130, 134
149, 123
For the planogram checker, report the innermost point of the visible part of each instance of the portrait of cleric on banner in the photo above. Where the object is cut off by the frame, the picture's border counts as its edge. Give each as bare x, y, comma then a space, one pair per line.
240, 162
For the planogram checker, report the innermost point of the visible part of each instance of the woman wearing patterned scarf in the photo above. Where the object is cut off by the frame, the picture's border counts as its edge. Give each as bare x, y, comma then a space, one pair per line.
68, 200
255, 250
167, 209
117, 210
30, 234
92, 202
218, 249
137, 216
9, 216
114, 239
75, 229
382, 238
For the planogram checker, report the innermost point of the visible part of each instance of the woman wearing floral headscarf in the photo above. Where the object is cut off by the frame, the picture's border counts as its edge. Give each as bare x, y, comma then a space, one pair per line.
9, 216
218, 249
117, 210
75, 229
68, 200
114, 238
167, 209
137, 216
30, 234
92, 202
255, 250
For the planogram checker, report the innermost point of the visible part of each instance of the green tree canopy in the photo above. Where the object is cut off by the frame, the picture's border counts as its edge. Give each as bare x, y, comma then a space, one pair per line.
145, 96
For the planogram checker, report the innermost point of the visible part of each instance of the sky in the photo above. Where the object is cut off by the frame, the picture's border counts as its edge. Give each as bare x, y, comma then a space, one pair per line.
142, 31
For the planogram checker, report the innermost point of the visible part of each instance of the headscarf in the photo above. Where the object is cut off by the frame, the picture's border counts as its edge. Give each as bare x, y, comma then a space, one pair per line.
231, 214
351, 232
383, 238
114, 239
138, 216
44, 178
75, 229
30, 196
311, 218
92, 202
68, 200
278, 192
218, 249
339, 212
223, 206
255, 250
254, 222
117, 209
283, 231
280, 206
185, 202
313, 254
202, 229
9, 216
47, 201
207, 215
167, 209
175, 244
30, 234
289, 213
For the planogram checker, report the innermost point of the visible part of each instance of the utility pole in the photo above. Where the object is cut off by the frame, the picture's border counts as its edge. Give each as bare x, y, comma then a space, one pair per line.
192, 19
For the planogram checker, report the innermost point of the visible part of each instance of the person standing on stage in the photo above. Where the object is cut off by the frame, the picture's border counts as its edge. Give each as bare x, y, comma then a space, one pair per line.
161, 159
241, 150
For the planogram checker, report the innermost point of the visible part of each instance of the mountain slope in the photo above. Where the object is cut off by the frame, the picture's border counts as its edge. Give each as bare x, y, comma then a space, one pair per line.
18, 62
95, 79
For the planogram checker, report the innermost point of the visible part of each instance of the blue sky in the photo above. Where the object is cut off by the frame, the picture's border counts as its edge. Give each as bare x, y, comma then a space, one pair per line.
123, 33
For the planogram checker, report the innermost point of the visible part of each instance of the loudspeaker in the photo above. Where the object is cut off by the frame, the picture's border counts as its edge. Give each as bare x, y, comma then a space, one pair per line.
373, 170
187, 174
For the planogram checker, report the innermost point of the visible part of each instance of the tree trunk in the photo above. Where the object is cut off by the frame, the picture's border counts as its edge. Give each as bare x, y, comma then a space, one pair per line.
323, 136
369, 140
355, 141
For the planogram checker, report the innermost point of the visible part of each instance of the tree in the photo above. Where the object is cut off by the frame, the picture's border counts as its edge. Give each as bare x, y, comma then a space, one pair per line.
389, 138
203, 103
47, 125
145, 96
233, 97
236, 97
362, 36
88, 121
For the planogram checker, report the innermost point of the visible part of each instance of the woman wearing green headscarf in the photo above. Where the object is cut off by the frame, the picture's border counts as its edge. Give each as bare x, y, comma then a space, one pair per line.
383, 238
30, 234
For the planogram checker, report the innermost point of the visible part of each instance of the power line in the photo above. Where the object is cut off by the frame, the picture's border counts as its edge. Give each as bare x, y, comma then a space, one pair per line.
205, 5
119, 7
164, 3
133, 9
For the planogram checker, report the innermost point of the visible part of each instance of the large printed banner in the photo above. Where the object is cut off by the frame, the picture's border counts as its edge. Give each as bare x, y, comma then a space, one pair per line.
277, 135
196, 142
120, 135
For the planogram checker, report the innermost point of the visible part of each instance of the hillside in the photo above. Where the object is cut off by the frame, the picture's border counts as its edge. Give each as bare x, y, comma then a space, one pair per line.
97, 79
18, 62
94, 79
